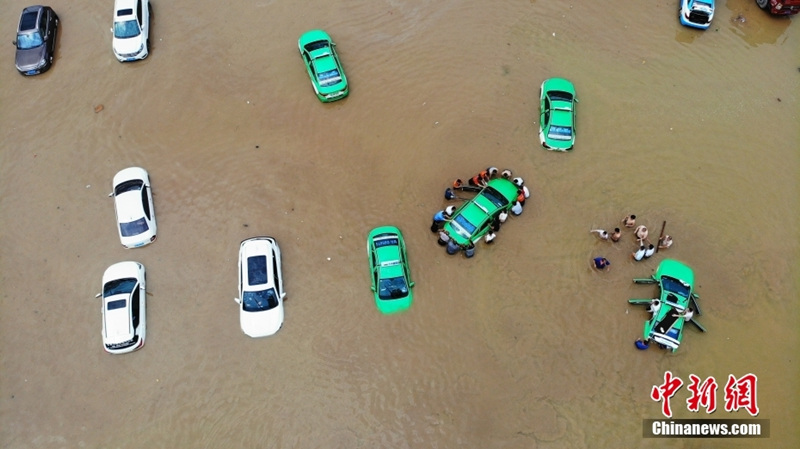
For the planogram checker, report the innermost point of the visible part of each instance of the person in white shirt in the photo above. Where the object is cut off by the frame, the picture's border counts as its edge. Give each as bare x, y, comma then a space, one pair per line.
490, 237
687, 314
517, 209
650, 251
602, 234
655, 304
639, 254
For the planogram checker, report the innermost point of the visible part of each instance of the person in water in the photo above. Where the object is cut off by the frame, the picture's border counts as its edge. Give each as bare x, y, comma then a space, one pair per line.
438, 220
642, 344
616, 235
655, 305
665, 242
490, 237
650, 251
452, 247
641, 233
506, 174
469, 251
601, 234
449, 194
444, 238
629, 221
686, 314
601, 263
639, 254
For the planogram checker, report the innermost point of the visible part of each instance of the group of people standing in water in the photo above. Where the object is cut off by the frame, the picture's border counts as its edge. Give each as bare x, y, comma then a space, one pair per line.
475, 184
644, 248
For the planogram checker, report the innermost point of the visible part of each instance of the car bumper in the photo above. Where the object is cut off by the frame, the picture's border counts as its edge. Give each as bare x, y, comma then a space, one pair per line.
327, 98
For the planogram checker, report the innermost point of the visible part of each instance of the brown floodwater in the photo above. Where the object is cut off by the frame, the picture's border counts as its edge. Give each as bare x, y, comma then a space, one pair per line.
522, 346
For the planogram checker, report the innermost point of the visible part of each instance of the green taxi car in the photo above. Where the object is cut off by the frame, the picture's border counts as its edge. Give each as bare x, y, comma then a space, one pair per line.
557, 114
474, 218
676, 285
391, 278
323, 65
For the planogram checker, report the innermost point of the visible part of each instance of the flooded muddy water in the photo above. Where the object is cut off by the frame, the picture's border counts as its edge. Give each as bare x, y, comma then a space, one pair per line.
522, 346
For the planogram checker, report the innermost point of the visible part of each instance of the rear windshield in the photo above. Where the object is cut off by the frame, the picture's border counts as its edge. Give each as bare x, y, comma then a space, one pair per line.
560, 133
329, 78
385, 242
26, 41
558, 95
464, 223
495, 197
119, 286
133, 228
674, 286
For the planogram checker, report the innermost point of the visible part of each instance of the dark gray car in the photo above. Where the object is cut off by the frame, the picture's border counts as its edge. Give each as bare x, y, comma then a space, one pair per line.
36, 39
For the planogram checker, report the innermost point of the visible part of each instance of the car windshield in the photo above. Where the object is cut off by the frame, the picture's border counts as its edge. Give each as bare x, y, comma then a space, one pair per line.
126, 29
257, 270
393, 288
673, 285
558, 95
133, 228
26, 41
329, 78
465, 224
260, 300
495, 197
118, 287
560, 133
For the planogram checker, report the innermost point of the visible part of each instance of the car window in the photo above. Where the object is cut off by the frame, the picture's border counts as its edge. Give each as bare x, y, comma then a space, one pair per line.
393, 288
275, 271
495, 197
146, 202
329, 78
469, 227
139, 11
135, 308
26, 41
126, 29
257, 270
116, 304
119, 286
259, 301
133, 228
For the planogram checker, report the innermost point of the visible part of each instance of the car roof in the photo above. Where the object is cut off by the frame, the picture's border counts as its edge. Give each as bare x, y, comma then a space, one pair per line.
388, 256
28, 21
256, 247
129, 206
117, 321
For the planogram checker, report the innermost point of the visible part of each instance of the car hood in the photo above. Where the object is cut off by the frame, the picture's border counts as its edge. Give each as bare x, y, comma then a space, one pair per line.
30, 58
128, 45
263, 323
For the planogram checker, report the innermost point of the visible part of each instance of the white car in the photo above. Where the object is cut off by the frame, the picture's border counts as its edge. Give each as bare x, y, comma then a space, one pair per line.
123, 309
131, 29
261, 290
133, 204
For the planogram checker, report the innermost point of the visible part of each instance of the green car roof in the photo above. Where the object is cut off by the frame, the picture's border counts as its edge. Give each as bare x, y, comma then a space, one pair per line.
472, 220
389, 271
557, 113
675, 269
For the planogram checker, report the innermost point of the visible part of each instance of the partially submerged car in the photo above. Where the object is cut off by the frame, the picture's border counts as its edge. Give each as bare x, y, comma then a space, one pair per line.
322, 63
261, 289
389, 271
36, 40
131, 30
133, 205
676, 297
123, 310
474, 218
697, 13
557, 101
780, 7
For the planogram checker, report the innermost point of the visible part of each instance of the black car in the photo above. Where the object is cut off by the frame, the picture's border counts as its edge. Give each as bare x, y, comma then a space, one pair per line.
36, 39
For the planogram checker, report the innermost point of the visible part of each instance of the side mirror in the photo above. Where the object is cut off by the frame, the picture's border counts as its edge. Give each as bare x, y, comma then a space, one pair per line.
111, 194
411, 284
237, 300
112, 30
98, 295
283, 295
373, 288
14, 43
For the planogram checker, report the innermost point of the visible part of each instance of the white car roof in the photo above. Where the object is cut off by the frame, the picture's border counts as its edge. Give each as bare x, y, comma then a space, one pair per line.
257, 247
